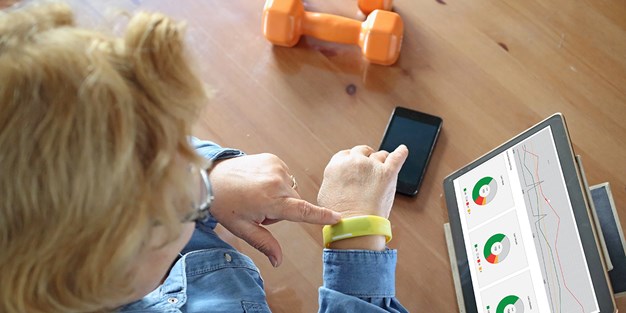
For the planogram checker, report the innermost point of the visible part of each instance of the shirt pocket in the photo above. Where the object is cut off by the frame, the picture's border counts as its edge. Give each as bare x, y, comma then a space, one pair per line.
254, 307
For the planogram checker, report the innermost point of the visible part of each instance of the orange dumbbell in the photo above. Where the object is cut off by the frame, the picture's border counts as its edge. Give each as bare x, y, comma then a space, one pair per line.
368, 6
380, 36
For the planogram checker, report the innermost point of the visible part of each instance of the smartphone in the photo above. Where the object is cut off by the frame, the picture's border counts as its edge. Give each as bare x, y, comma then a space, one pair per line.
419, 132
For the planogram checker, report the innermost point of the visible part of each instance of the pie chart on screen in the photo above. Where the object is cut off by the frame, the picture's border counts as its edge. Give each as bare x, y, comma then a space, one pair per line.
497, 248
485, 190
510, 304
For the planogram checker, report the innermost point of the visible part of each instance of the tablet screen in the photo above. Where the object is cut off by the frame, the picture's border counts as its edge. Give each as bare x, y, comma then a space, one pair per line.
522, 242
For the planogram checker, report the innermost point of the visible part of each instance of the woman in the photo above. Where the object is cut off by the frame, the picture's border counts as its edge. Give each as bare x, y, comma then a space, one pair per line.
107, 205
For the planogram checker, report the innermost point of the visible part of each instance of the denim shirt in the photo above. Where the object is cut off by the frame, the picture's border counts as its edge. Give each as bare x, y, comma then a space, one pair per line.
212, 276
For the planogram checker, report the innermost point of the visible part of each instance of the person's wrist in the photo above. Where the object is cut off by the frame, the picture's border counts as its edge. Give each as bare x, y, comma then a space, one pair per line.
347, 209
216, 172
371, 242
355, 214
361, 232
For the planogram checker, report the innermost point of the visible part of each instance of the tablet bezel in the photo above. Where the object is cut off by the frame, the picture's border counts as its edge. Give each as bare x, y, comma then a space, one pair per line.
578, 198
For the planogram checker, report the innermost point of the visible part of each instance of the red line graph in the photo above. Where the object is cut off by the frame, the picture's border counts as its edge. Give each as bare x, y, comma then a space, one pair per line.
557, 227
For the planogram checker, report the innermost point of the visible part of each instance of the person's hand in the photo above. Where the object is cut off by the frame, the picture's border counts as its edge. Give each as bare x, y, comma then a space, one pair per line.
255, 190
362, 182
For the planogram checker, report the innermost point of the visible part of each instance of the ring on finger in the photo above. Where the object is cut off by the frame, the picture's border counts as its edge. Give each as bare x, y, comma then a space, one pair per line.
294, 184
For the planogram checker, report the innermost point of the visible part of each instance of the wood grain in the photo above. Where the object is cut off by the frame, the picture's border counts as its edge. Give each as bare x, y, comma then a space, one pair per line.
490, 68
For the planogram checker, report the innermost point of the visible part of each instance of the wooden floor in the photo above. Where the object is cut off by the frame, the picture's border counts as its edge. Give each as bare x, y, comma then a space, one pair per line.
489, 68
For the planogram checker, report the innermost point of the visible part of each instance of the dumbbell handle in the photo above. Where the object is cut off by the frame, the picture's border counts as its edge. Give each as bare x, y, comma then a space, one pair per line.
332, 28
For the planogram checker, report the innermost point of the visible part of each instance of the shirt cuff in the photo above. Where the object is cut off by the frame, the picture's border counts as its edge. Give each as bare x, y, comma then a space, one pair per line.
361, 273
212, 151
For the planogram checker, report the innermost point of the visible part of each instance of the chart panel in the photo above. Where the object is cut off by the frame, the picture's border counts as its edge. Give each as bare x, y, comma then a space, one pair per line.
515, 295
486, 192
555, 234
498, 249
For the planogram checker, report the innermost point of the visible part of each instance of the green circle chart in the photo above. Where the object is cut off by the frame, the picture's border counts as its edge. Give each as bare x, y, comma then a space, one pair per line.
485, 190
497, 248
510, 304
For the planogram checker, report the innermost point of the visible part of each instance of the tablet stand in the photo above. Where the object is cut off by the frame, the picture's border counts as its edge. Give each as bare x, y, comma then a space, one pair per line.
456, 277
607, 226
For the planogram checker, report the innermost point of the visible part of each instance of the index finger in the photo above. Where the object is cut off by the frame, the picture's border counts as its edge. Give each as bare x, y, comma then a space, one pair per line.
397, 158
297, 210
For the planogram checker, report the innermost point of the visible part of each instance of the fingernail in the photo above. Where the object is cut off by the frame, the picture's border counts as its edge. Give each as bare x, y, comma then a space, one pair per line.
273, 261
336, 215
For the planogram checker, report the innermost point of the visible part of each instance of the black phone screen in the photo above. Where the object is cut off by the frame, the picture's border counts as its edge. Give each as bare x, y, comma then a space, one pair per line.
419, 132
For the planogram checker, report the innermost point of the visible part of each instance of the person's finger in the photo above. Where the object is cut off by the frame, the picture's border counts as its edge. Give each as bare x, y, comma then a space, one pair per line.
297, 210
362, 150
397, 158
380, 155
261, 239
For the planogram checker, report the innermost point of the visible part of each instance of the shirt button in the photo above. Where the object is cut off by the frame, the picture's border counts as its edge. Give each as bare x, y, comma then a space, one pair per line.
227, 257
172, 300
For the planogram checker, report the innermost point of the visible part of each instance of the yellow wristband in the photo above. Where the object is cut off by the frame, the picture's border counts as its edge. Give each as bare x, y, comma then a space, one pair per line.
355, 227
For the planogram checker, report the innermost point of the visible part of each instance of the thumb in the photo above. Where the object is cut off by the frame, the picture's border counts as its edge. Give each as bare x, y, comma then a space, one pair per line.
397, 158
261, 239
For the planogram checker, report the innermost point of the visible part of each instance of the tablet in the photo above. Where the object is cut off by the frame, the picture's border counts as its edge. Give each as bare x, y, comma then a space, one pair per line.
522, 231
